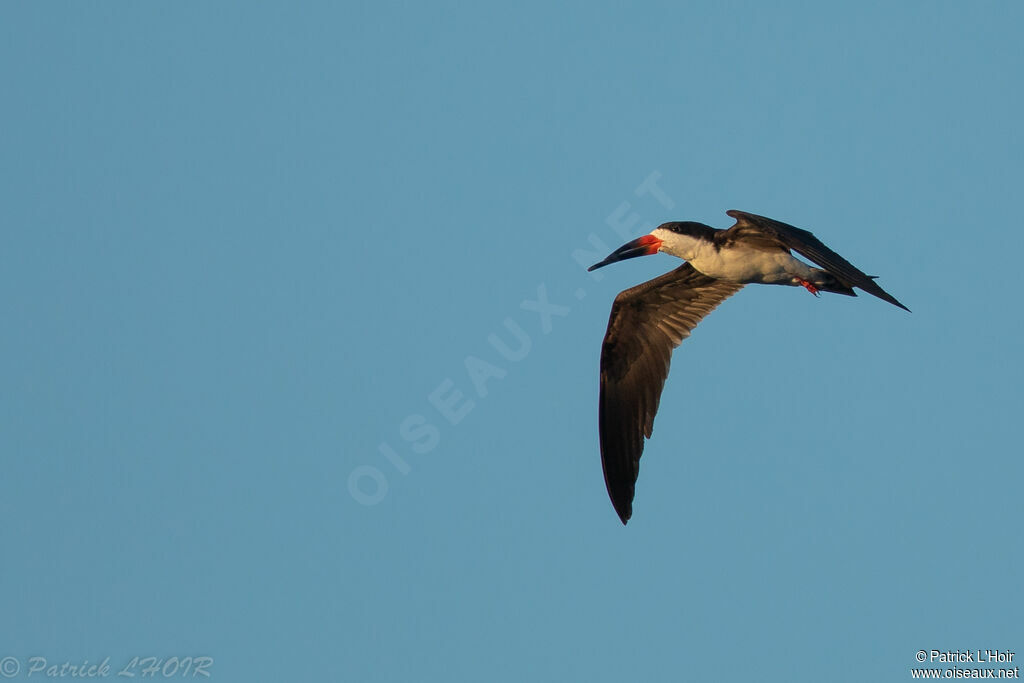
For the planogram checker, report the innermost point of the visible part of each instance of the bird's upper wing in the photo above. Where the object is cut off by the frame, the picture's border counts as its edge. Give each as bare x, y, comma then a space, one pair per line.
753, 227
646, 323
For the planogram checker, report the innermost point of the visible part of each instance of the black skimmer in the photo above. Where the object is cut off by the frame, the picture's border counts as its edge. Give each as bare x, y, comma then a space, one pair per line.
651, 319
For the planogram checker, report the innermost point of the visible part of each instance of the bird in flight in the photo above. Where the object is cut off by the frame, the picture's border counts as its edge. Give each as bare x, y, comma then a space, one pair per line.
651, 319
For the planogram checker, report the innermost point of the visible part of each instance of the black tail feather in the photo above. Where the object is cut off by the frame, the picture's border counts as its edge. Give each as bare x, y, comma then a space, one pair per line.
827, 282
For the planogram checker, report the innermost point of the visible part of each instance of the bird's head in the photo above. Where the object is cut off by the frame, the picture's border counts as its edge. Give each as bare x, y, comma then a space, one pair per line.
678, 238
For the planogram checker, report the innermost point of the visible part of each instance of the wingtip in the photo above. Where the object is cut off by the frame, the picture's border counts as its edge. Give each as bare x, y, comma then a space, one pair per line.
895, 302
892, 300
624, 513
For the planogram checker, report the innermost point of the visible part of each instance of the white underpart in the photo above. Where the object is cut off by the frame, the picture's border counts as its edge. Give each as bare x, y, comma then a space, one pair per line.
737, 263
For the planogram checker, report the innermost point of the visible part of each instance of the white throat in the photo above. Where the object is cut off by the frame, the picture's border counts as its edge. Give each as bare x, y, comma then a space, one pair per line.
680, 246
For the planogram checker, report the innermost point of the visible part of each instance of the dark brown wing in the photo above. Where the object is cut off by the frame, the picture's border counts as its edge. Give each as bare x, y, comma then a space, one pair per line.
750, 226
646, 323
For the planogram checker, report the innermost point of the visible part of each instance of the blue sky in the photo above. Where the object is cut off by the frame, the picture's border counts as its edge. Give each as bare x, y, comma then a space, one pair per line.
244, 245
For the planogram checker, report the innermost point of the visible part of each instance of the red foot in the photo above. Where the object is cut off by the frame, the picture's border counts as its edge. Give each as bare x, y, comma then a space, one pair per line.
808, 286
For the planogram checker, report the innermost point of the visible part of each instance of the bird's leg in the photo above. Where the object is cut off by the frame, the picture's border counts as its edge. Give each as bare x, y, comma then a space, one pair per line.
808, 286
